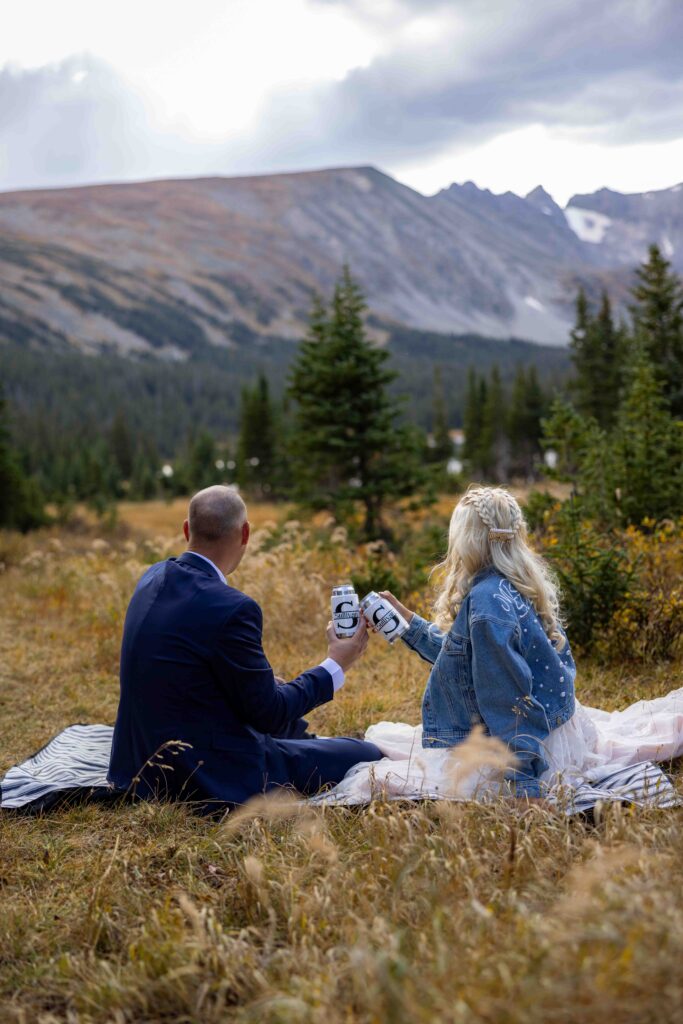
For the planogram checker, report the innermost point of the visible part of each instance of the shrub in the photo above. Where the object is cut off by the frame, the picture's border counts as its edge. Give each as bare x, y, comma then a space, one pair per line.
378, 571
622, 595
593, 570
648, 625
537, 509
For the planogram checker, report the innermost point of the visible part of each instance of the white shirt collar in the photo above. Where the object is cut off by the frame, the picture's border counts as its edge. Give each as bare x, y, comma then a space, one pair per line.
212, 564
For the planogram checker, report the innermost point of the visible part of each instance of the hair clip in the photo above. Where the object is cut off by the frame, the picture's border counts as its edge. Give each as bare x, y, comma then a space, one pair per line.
501, 534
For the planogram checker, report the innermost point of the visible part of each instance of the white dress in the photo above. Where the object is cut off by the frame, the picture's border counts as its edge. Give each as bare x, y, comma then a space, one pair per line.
584, 750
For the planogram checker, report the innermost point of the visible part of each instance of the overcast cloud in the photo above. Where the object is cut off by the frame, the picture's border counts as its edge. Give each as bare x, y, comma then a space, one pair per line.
430, 79
612, 71
74, 121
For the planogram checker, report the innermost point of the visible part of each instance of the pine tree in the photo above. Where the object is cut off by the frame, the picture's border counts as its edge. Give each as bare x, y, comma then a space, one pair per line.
143, 478
596, 343
493, 454
581, 344
94, 477
442, 447
649, 449
122, 446
477, 450
21, 506
536, 406
471, 420
346, 443
566, 433
524, 425
598, 477
658, 323
200, 469
257, 448
8, 470
634, 471
610, 354
517, 425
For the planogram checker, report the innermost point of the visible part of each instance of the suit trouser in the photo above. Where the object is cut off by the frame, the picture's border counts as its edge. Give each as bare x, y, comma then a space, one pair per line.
311, 764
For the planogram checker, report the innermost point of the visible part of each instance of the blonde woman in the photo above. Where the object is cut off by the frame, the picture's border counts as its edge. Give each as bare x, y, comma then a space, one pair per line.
501, 660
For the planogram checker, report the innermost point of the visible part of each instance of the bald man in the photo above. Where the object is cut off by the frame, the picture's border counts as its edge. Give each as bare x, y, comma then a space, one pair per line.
201, 715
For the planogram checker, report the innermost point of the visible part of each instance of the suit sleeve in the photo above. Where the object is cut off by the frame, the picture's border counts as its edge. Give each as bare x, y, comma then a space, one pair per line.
245, 675
503, 688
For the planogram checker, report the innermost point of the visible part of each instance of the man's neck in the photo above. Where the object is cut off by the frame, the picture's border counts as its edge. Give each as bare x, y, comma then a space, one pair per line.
216, 558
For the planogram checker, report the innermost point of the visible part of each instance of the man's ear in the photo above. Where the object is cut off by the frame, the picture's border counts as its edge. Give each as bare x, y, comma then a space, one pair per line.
186, 529
246, 530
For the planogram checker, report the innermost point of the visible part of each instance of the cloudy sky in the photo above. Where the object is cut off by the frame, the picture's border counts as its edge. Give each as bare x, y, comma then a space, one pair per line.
573, 94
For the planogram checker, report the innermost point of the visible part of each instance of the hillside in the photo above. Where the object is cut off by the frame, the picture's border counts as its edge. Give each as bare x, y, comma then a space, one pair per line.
57, 396
177, 267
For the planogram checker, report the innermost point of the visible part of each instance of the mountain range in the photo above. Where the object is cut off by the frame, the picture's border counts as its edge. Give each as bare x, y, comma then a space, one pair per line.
172, 267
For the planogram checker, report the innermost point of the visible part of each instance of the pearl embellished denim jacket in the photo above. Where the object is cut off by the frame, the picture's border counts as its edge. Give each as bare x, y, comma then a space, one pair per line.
497, 667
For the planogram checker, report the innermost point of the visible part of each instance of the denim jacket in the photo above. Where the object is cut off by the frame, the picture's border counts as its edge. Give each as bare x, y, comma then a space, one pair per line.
497, 667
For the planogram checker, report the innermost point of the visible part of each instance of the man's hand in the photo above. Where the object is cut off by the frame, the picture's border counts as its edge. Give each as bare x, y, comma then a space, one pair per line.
400, 608
346, 650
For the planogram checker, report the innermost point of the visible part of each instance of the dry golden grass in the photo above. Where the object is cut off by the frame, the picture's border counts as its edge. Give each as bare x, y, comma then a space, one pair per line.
167, 516
288, 914
445, 502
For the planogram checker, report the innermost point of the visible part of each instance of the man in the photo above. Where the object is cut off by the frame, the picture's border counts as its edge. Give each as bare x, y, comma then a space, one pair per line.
201, 716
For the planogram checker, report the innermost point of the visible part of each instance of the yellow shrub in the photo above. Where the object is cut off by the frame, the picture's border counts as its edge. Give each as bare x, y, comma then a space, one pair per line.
649, 624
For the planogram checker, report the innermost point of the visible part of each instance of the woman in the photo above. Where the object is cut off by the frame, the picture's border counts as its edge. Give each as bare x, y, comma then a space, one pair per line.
501, 661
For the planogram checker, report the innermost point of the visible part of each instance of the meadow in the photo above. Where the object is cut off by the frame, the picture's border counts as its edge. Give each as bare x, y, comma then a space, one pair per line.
405, 914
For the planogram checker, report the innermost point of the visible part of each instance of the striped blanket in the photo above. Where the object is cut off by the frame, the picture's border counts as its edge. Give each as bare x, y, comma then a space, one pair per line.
73, 765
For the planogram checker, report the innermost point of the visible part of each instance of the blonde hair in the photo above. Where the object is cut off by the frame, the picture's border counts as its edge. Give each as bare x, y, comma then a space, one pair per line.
487, 529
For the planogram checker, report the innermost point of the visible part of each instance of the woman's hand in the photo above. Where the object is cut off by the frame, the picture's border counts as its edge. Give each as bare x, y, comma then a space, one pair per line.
400, 608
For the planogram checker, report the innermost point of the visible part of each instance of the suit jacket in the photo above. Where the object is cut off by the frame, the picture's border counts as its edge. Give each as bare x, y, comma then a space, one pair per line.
193, 670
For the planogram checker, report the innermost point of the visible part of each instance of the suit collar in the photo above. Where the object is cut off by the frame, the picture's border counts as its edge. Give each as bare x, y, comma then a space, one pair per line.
202, 564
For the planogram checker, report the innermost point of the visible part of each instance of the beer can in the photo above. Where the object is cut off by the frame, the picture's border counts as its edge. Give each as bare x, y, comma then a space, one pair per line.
383, 617
345, 610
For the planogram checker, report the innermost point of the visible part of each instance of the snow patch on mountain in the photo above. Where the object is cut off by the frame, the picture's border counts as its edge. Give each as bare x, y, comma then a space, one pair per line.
667, 247
537, 321
588, 225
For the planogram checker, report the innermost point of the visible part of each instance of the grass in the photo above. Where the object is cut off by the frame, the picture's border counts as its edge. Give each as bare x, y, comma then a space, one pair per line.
405, 914
167, 517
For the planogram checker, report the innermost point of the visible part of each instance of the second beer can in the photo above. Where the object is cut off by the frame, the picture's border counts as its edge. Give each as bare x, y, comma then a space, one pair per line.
383, 617
345, 610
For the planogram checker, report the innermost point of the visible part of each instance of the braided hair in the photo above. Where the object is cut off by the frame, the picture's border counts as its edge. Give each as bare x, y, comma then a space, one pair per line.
498, 510
488, 529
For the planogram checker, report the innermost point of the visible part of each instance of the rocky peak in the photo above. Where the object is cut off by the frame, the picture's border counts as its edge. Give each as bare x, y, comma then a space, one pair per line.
542, 199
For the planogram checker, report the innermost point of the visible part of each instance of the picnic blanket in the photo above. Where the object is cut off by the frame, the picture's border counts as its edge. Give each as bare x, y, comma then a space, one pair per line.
73, 765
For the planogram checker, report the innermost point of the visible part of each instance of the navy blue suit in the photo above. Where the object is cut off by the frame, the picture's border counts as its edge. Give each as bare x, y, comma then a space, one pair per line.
193, 670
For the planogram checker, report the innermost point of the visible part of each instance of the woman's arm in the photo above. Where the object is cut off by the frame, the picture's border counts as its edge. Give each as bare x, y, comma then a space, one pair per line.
421, 636
503, 687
